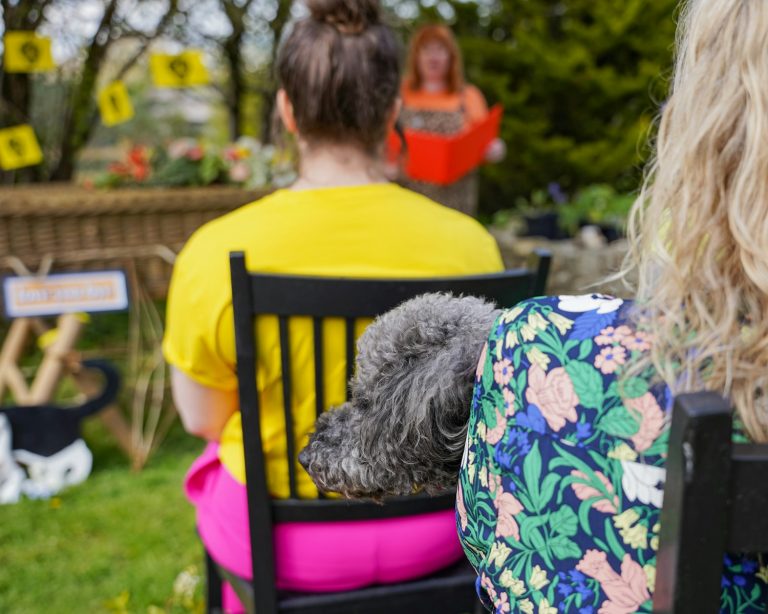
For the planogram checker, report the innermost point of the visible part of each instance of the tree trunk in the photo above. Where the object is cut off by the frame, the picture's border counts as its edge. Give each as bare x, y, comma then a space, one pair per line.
16, 88
15, 108
277, 25
234, 57
81, 116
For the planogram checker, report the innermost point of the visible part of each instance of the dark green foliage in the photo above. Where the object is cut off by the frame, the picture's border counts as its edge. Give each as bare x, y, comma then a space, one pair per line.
580, 81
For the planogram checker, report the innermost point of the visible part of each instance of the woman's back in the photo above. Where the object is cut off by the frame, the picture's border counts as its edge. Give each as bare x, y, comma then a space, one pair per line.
562, 482
368, 231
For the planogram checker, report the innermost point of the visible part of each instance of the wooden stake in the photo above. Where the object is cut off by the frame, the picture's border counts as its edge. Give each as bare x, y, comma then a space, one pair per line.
12, 350
53, 366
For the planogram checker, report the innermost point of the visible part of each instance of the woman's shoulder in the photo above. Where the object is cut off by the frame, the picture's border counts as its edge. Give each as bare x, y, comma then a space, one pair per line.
472, 91
567, 329
564, 358
572, 317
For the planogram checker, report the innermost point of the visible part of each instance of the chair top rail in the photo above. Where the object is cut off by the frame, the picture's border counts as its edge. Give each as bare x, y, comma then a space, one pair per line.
360, 298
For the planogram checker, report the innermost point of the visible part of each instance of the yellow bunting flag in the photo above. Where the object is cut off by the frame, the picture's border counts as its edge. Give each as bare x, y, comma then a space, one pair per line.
27, 52
19, 148
115, 104
185, 69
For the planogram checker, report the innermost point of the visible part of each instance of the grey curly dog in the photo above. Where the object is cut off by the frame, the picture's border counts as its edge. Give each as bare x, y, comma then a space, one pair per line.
405, 425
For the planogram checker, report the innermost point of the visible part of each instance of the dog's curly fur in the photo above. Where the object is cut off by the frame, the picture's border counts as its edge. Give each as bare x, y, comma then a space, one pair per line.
405, 425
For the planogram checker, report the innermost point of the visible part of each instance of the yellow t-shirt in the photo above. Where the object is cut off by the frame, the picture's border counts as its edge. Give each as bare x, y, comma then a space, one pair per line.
371, 231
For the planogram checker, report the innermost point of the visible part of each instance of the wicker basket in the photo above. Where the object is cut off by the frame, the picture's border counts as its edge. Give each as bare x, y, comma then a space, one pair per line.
81, 229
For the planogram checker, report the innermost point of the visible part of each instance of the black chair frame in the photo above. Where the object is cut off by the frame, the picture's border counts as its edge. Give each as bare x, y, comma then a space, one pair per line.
715, 502
288, 296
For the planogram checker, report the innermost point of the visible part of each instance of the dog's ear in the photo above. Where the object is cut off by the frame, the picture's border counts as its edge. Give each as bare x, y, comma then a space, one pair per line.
414, 381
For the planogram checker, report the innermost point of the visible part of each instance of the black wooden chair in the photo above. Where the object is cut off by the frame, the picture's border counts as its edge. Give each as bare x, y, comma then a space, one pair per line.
450, 591
715, 501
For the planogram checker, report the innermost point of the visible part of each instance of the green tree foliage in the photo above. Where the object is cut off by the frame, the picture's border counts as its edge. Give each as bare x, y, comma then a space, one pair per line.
580, 82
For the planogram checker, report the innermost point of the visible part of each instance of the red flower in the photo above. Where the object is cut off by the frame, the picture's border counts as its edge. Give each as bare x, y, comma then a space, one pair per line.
138, 163
118, 168
195, 153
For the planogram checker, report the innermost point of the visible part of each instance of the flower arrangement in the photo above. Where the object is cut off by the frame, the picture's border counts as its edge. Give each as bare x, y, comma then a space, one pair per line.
188, 162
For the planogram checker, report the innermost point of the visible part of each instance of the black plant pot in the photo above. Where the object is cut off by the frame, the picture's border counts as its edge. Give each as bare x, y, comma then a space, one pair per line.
611, 233
543, 225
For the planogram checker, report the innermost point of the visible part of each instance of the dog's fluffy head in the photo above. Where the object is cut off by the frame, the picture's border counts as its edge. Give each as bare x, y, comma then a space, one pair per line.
406, 422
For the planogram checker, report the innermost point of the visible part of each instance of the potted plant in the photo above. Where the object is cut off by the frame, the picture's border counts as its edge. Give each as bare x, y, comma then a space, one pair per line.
599, 205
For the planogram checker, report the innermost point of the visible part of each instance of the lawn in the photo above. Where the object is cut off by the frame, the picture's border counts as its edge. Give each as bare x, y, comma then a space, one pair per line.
116, 543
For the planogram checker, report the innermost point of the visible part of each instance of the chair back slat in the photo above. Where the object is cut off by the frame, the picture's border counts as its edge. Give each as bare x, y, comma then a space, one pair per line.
317, 334
257, 493
317, 339
540, 262
290, 431
349, 342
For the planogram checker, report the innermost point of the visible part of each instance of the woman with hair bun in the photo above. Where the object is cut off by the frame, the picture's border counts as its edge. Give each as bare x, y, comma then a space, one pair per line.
437, 99
339, 79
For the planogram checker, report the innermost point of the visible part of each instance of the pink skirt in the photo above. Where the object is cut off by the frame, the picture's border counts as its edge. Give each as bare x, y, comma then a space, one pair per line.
317, 556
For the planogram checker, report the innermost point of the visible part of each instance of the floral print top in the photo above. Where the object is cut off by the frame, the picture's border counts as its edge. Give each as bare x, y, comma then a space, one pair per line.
561, 484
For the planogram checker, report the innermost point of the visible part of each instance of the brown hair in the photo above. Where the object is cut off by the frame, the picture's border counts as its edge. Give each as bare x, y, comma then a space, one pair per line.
429, 34
340, 68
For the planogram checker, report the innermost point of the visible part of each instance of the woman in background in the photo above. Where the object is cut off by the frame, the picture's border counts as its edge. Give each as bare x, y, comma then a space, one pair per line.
437, 99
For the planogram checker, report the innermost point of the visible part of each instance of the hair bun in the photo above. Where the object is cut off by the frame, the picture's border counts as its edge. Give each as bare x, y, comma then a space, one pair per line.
347, 16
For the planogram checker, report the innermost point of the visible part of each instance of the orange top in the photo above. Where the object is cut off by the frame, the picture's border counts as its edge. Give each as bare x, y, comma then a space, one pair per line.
473, 101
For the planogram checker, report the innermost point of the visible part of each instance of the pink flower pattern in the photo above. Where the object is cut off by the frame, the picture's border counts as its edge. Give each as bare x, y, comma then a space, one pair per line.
509, 403
637, 342
610, 359
612, 335
508, 508
461, 509
502, 372
481, 363
584, 492
651, 420
553, 393
494, 435
625, 592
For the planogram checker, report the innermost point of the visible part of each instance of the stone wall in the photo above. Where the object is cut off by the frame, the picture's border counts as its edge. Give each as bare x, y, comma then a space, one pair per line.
579, 266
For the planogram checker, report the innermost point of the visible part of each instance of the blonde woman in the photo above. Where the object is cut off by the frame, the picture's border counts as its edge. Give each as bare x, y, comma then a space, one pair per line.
561, 486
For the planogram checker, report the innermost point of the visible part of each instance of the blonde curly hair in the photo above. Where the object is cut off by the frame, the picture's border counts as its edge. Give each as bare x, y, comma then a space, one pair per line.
699, 229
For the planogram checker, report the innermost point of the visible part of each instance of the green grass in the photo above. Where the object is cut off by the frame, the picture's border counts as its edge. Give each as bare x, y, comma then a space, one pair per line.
115, 543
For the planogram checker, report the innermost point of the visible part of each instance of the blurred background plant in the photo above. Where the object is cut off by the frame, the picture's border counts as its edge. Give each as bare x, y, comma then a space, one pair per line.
553, 214
598, 205
189, 162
